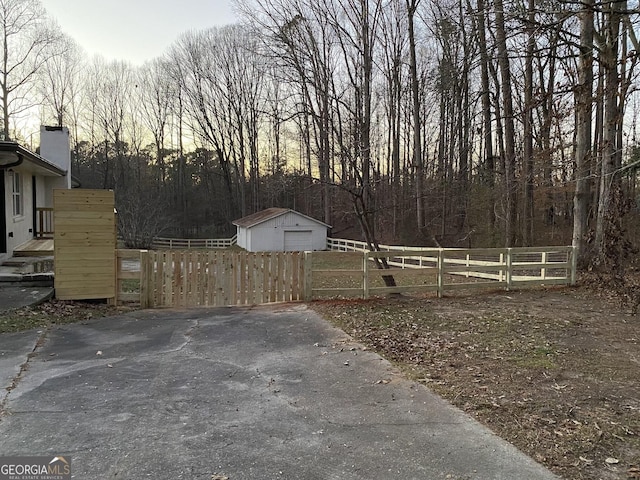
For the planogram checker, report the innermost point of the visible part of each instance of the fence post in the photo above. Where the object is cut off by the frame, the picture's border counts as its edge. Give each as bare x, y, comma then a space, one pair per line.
308, 277
509, 267
543, 270
365, 275
468, 263
145, 294
574, 264
117, 273
440, 272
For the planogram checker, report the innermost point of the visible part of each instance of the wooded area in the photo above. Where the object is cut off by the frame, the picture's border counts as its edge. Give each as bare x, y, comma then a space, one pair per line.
448, 123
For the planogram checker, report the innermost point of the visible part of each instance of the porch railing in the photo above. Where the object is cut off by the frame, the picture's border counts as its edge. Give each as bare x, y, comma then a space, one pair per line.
44, 222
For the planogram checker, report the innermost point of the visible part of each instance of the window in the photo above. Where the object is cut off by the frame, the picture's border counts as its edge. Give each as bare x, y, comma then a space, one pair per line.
18, 209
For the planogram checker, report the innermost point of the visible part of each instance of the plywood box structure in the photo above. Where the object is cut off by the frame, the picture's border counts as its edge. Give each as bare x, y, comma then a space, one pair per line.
84, 244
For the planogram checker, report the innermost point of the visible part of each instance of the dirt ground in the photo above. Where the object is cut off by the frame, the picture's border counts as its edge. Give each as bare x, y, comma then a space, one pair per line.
554, 371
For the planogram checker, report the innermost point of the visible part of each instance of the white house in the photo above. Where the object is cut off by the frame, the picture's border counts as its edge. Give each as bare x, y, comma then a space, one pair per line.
27, 181
281, 230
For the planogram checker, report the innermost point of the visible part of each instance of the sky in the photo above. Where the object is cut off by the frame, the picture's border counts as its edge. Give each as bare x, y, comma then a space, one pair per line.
135, 30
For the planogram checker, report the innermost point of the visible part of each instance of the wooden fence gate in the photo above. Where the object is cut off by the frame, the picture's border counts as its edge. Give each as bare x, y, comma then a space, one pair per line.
219, 278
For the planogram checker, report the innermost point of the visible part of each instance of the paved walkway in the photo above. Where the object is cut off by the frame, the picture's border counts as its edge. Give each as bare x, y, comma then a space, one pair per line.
21, 284
18, 297
262, 393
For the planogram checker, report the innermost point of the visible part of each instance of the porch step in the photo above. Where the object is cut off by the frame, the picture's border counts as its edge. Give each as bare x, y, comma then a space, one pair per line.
26, 280
35, 248
26, 273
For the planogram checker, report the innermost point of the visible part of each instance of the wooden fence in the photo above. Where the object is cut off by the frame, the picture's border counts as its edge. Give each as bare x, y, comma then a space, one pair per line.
442, 270
218, 278
128, 276
160, 243
508, 266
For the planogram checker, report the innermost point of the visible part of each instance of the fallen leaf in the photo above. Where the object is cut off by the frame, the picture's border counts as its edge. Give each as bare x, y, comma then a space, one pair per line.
611, 460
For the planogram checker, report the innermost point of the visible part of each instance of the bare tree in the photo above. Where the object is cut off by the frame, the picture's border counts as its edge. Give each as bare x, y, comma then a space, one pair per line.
509, 128
59, 80
487, 169
109, 93
393, 39
221, 81
412, 6
527, 132
300, 40
584, 113
157, 92
27, 41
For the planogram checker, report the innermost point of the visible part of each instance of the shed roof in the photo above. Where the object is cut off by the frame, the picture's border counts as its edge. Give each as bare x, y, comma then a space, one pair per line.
268, 214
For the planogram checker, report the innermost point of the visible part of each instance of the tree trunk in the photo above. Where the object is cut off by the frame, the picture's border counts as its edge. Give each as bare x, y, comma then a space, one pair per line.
527, 230
509, 129
610, 124
412, 5
488, 171
584, 108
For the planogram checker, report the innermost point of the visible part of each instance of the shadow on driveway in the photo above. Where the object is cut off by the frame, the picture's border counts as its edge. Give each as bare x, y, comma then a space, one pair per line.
255, 393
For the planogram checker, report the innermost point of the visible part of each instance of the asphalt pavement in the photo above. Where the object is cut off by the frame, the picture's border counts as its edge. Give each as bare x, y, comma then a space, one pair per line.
233, 393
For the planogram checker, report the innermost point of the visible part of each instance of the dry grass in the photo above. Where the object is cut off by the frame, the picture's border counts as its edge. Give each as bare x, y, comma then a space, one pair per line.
54, 312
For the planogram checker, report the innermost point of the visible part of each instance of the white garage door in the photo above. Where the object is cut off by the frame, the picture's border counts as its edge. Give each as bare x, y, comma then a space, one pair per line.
296, 241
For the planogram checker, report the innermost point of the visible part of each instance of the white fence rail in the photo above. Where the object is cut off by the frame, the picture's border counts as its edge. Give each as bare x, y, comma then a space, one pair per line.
502, 266
160, 243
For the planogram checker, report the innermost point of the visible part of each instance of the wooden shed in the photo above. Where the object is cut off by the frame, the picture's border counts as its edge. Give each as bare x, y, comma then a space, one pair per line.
281, 230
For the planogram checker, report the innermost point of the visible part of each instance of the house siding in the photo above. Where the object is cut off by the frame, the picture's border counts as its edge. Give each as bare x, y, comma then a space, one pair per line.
20, 228
241, 240
51, 170
41, 197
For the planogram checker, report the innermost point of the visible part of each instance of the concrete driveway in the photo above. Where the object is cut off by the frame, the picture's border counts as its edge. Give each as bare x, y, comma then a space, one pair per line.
255, 393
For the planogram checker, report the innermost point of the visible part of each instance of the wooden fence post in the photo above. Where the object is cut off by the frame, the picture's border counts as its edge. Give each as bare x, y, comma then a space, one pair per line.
574, 264
468, 264
145, 278
365, 275
308, 277
118, 262
440, 272
509, 269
